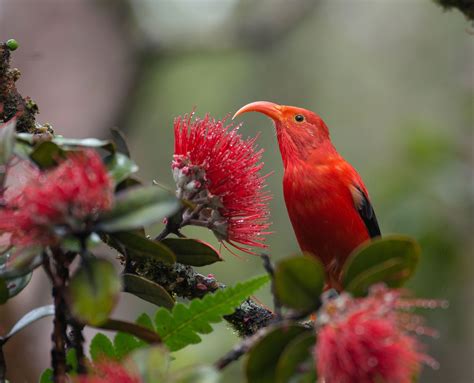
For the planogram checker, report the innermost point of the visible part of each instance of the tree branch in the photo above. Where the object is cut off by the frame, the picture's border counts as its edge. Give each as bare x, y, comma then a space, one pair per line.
58, 352
76, 338
267, 264
240, 349
184, 282
3, 365
11, 102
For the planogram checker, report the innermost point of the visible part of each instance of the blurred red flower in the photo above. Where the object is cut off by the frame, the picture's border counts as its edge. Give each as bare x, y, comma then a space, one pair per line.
368, 340
219, 171
51, 202
107, 372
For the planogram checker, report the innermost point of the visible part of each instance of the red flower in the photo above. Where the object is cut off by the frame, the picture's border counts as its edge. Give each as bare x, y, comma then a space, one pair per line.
219, 171
57, 201
367, 340
107, 372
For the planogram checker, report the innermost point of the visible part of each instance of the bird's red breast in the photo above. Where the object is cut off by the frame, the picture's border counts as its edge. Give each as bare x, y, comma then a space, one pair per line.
326, 199
320, 204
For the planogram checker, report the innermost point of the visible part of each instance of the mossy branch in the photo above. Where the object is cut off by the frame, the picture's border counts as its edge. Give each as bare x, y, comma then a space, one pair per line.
12, 103
184, 282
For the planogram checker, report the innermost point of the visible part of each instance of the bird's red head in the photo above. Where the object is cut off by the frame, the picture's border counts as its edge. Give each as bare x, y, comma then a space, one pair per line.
299, 131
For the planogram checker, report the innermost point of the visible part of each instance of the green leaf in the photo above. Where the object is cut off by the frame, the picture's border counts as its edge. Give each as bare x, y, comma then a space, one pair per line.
297, 354
124, 344
22, 149
7, 140
147, 290
101, 346
74, 244
263, 358
153, 366
46, 154
192, 252
46, 376
16, 285
181, 326
299, 281
137, 207
84, 142
29, 318
145, 321
152, 363
26, 137
120, 167
94, 291
197, 374
138, 246
71, 361
391, 259
19, 262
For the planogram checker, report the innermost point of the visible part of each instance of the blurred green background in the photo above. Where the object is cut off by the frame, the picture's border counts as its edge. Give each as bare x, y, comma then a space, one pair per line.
392, 79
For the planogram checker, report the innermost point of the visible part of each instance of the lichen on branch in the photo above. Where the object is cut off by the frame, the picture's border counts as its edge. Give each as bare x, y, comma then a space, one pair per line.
12, 103
184, 282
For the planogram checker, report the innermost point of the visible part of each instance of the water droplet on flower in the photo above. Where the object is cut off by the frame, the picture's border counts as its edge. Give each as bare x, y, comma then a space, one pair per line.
372, 361
420, 330
444, 304
434, 364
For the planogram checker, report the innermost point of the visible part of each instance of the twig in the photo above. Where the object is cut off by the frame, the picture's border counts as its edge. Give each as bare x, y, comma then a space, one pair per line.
173, 225
58, 352
267, 264
139, 331
164, 233
179, 220
77, 343
242, 348
3, 365
76, 335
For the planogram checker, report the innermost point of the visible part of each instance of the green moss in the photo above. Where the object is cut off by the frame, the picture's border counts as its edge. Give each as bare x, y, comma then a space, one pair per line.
12, 104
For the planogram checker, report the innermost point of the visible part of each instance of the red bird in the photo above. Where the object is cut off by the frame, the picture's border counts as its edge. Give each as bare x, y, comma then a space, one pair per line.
327, 201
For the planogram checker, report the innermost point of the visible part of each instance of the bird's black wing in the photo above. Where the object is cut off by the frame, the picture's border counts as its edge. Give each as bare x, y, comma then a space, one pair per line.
366, 212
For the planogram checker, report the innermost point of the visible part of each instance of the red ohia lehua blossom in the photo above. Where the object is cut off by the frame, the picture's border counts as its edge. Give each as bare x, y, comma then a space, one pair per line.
108, 371
369, 340
57, 201
219, 171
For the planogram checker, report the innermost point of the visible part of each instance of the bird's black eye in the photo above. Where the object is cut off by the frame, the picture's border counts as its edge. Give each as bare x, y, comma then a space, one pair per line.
299, 118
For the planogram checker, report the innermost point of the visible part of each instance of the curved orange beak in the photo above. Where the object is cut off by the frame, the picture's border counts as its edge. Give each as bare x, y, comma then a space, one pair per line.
274, 111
